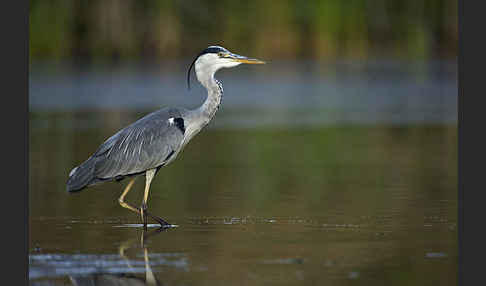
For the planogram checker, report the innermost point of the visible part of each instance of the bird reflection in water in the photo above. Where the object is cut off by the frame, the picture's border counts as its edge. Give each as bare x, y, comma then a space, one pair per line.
123, 279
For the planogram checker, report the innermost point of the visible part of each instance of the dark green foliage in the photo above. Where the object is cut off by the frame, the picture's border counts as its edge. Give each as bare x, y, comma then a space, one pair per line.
109, 31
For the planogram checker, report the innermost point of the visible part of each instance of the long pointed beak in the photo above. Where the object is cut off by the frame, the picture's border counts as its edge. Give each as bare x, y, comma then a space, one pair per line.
243, 59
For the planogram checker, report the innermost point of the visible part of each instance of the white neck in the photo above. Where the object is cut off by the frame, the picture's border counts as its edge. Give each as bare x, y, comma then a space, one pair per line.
205, 75
205, 67
211, 104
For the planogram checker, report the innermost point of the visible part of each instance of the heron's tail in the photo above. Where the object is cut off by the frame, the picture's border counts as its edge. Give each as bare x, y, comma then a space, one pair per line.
81, 176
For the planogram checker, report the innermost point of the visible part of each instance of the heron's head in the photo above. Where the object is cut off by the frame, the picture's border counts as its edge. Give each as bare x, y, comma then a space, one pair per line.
214, 58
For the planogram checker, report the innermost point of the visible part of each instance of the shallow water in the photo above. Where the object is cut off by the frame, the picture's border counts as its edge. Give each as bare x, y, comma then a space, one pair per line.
374, 205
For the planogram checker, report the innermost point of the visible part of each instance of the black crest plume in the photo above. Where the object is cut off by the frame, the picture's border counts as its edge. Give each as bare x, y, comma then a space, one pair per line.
189, 73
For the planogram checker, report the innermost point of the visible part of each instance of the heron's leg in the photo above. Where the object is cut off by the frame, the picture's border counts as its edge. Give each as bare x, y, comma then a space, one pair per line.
126, 205
149, 175
121, 199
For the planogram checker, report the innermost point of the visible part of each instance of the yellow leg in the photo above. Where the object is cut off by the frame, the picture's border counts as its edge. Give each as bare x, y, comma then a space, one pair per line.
149, 175
143, 210
121, 199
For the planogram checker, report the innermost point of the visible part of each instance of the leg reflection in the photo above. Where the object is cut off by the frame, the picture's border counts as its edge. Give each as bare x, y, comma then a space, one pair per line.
128, 278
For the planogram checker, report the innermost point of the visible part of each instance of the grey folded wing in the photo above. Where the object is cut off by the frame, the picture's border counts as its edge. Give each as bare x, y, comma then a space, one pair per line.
146, 144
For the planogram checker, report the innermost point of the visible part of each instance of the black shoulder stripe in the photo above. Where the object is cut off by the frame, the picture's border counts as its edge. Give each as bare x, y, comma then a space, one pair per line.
179, 122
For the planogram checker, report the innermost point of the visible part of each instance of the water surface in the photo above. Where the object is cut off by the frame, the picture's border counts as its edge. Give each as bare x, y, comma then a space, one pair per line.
260, 206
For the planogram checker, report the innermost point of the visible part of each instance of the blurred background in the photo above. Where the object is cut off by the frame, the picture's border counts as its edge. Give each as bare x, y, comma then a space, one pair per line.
335, 161
117, 31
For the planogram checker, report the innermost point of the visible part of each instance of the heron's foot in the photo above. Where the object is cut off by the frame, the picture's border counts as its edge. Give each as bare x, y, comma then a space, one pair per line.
144, 213
161, 221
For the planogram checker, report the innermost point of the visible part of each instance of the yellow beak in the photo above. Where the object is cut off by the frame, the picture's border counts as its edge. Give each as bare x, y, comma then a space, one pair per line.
245, 60
250, 61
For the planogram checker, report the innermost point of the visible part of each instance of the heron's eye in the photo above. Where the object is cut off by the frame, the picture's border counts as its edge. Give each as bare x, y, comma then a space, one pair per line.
220, 54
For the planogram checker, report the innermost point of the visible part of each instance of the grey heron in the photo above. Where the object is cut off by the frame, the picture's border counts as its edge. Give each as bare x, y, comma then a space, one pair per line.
156, 139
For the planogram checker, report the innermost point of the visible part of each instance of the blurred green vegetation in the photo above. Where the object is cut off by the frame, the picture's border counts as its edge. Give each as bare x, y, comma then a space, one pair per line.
111, 30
